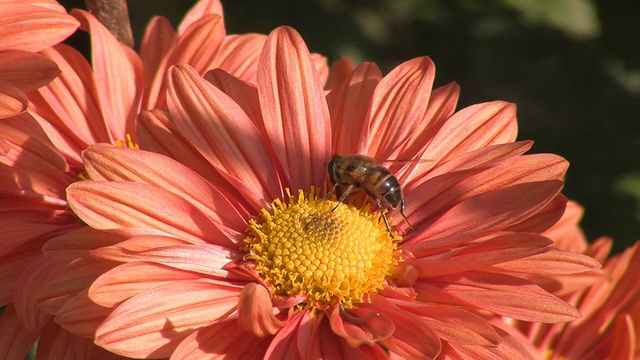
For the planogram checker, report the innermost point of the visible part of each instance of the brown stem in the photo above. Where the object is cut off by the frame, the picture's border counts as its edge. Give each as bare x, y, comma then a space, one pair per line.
115, 16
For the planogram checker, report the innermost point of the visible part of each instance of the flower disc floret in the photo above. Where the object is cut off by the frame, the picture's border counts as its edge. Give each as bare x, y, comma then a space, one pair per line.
321, 249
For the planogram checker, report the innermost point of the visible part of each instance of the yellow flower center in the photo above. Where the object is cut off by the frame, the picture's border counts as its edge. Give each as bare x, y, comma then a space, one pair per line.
321, 249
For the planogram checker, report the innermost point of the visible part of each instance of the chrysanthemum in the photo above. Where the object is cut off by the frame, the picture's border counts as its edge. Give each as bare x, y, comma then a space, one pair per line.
87, 104
232, 247
27, 27
609, 301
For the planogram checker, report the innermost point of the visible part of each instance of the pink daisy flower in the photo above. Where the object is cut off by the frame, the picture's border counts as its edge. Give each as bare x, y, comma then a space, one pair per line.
86, 104
230, 247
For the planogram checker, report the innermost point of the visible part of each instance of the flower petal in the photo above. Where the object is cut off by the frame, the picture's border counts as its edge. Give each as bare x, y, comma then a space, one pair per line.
472, 128
458, 325
16, 340
29, 146
204, 259
399, 104
508, 296
223, 134
119, 71
349, 105
72, 245
33, 28
158, 38
31, 279
495, 209
294, 109
413, 337
12, 100
507, 348
25, 70
490, 252
238, 55
156, 132
223, 339
362, 326
255, 311
130, 279
56, 343
68, 108
200, 10
104, 162
155, 321
117, 205
552, 262
81, 316
66, 282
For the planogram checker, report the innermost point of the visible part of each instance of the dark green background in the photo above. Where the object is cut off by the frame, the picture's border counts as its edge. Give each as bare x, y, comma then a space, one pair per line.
572, 66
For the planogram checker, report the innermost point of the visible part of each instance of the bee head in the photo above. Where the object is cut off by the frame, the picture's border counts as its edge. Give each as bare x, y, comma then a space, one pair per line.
331, 168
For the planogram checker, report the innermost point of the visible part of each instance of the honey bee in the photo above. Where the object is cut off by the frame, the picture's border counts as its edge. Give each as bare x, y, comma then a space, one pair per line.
358, 172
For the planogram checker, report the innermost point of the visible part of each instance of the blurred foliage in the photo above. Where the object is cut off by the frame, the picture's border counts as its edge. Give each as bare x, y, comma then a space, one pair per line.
572, 66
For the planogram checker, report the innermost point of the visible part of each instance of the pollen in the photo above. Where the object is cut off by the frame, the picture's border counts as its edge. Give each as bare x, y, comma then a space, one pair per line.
322, 249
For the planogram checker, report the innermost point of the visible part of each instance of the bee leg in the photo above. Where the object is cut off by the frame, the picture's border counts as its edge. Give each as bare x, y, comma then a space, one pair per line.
383, 216
333, 189
404, 216
343, 196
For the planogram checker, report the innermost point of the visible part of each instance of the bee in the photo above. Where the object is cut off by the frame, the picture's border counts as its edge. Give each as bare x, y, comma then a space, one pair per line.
358, 172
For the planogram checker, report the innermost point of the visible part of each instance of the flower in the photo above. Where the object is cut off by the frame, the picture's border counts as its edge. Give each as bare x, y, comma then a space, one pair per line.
608, 301
27, 27
87, 104
229, 245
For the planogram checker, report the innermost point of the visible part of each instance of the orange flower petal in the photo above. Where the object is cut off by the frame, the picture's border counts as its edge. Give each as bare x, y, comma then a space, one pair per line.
472, 128
81, 316
33, 28
457, 325
204, 259
552, 262
65, 282
361, 326
224, 339
200, 10
490, 252
31, 279
495, 209
12, 265
255, 311
349, 104
507, 296
104, 162
341, 69
119, 70
242, 93
204, 115
442, 104
55, 343
30, 148
130, 279
113, 205
72, 245
68, 107
12, 100
16, 340
413, 337
238, 55
508, 348
156, 133
154, 321
158, 38
399, 104
25, 70
294, 109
